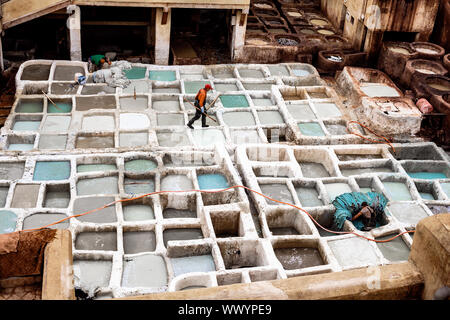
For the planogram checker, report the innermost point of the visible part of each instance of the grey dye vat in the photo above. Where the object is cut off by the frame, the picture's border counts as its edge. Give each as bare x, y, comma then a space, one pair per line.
136, 212
11, 170
39, 220
139, 241
353, 252
278, 192
298, 258
85, 204
92, 274
144, 271
394, 250
313, 170
181, 234
203, 263
104, 241
171, 213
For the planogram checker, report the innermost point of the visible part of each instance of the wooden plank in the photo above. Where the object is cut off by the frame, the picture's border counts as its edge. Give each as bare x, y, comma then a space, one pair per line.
116, 23
212, 4
57, 282
18, 11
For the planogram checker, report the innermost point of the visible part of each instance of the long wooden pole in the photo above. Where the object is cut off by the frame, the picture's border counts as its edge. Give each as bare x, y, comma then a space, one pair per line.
199, 110
51, 101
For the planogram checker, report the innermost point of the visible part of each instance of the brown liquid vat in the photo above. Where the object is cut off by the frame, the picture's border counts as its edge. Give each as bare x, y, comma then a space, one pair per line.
428, 50
422, 66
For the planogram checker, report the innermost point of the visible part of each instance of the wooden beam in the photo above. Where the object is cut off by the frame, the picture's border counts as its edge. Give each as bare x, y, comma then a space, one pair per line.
116, 23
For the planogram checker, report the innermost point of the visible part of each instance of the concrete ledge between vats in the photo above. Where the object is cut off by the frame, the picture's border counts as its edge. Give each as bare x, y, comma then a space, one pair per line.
396, 281
57, 279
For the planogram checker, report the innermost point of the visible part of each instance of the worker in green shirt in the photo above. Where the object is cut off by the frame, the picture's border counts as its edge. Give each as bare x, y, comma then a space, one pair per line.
96, 62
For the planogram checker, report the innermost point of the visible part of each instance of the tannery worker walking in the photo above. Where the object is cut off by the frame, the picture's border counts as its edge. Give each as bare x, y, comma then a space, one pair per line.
200, 101
97, 61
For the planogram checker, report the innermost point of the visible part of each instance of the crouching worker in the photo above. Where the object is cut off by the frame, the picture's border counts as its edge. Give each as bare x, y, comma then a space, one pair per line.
364, 210
200, 104
97, 61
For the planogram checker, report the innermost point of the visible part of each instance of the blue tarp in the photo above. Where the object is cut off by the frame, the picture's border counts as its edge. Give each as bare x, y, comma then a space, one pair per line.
349, 204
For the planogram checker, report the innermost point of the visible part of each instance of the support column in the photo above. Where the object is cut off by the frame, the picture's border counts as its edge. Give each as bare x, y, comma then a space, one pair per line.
2, 64
162, 35
74, 26
239, 25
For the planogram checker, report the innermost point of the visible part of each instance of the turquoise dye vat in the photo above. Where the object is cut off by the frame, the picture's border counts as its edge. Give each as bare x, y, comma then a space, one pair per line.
193, 86
426, 196
234, 101
51, 170
20, 146
311, 129
135, 73
212, 181
63, 107
163, 75
203, 263
26, 125
140, 165
95, 167
427, 175
7, 221
446, 188
397, 191
136, 186
30, 106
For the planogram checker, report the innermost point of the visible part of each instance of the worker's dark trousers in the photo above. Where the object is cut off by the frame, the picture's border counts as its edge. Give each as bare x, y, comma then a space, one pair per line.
197, 116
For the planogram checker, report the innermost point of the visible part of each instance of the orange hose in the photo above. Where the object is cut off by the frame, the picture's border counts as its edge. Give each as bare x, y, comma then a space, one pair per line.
386, 140
216, 191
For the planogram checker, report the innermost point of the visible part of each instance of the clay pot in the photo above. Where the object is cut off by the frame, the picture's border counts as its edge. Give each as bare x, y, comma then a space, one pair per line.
258, 40
441, 103
287, 40
427, 50
446, 61
326, 60
425, 86
425, 67
393, 58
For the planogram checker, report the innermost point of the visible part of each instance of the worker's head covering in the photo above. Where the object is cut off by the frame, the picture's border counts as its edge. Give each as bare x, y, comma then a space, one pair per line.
207, 86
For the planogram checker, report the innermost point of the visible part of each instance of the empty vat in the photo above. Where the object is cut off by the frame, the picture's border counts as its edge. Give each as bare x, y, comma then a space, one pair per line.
166, 105
379, 90
3, 195
327, 110
208, 137
173, 139
170, 119
56, 123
